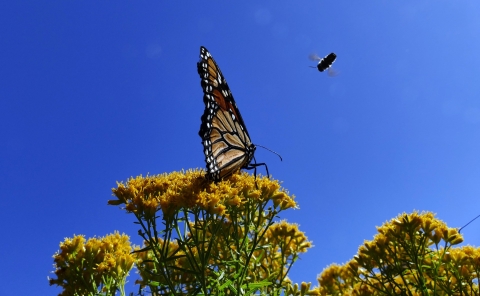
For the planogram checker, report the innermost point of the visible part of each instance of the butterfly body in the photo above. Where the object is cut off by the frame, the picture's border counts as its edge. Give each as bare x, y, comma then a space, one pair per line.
226, 142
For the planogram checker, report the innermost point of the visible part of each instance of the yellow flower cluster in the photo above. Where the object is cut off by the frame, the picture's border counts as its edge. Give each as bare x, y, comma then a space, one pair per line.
81, 268
336, 280
302, 290
288, 238
285, 242
144, 196
407, 255
210, 229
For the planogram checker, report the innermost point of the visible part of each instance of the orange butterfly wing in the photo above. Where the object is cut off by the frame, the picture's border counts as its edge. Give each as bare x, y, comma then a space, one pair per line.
226, 143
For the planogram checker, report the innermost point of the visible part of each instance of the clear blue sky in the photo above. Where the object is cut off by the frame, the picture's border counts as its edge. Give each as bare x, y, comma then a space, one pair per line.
94, 92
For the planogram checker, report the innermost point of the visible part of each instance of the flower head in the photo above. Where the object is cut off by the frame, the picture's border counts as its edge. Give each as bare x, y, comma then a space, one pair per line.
82, 267
168, 193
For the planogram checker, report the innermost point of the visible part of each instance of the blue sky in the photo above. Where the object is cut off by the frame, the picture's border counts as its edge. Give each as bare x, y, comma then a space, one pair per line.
95, 92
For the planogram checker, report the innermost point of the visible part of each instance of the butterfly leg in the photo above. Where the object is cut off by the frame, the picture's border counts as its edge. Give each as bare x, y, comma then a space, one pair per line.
254, 167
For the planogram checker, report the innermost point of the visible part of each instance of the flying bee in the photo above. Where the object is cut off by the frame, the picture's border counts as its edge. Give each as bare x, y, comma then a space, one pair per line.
325, 63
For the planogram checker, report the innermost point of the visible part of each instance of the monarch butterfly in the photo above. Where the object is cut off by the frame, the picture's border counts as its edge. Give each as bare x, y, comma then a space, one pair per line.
226, 142
325, 63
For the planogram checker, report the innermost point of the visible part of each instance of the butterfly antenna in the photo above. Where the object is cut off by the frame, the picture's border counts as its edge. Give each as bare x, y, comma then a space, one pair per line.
468, 223
270, 151
312, 67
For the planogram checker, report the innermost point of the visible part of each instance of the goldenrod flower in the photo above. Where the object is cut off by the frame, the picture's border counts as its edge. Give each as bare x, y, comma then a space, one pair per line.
169, 193
211, 232
405, 256
84, 268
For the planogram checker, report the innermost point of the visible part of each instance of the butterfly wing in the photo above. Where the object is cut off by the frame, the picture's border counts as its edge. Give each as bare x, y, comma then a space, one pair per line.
326, 62
225, 138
